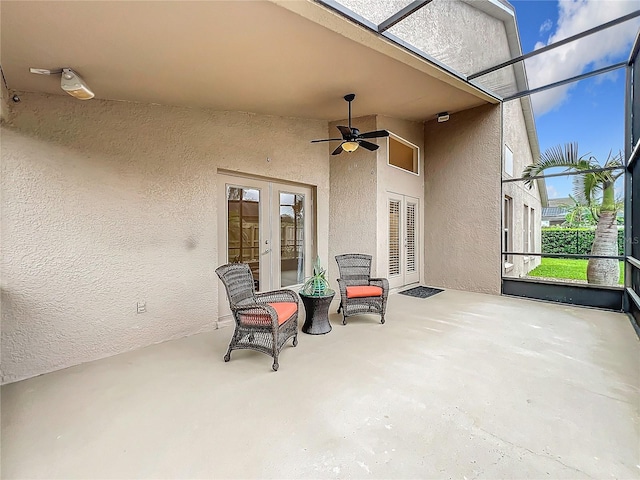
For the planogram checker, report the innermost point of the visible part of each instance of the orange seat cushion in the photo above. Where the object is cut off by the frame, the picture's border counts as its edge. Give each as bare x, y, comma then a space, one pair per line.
364, 291
284, 310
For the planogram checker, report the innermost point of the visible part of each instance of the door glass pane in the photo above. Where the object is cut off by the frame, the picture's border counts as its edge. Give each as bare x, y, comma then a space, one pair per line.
394, 237
411, 237
291, 239
243, 228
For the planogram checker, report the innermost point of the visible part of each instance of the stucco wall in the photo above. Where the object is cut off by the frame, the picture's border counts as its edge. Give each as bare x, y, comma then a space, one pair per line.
453, 32
105, 204
515, 137
360, 183
462, 201
392, 179
352, 207
4, 102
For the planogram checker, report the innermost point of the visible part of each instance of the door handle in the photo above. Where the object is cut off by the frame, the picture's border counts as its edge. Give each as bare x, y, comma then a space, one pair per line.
268, 250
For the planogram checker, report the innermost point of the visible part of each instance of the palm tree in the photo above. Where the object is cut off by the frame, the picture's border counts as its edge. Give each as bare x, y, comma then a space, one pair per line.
578, 214
596, 191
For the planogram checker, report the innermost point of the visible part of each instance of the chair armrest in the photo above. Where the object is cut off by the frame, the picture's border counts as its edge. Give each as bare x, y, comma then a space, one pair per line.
342, 286
257, 310
383, 283
274, 296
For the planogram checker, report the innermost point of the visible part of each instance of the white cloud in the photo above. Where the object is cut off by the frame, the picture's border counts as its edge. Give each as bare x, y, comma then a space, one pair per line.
588, 53
552, 192
546, 26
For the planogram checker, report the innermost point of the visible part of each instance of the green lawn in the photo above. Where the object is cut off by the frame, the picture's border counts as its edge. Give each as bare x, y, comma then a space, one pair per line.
567, 268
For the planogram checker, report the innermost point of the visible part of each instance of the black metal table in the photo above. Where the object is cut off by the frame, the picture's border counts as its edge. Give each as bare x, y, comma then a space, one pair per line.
317, 313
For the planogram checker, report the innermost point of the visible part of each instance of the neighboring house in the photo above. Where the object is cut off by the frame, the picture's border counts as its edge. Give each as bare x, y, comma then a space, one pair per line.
556, 211
196, 152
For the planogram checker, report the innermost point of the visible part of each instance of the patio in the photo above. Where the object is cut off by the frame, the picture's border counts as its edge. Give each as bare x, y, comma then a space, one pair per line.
461, 385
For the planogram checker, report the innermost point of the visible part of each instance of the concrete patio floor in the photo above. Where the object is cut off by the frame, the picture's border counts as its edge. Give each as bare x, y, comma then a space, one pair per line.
460, 385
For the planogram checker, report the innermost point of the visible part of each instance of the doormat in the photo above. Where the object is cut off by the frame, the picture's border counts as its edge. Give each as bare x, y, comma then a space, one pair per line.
421, 292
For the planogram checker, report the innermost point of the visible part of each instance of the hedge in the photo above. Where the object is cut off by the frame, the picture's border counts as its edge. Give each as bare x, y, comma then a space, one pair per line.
573, 240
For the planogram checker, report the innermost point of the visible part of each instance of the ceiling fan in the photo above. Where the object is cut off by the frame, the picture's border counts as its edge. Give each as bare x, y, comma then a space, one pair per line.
351, 137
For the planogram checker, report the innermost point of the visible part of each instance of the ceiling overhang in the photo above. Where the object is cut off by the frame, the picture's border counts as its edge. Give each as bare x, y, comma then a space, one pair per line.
286, 58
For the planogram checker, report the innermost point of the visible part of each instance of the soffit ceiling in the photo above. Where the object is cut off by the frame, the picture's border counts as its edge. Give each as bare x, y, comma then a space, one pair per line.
254, 56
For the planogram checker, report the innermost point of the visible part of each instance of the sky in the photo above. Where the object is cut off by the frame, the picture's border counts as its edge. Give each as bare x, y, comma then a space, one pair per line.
590, 112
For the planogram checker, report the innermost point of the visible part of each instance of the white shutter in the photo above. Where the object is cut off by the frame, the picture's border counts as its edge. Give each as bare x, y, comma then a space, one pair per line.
411, 237
394, 237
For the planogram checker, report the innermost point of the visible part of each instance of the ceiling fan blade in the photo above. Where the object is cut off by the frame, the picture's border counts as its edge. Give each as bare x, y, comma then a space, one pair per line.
368, 145
338, 150
376, 134
327, 140
345, 131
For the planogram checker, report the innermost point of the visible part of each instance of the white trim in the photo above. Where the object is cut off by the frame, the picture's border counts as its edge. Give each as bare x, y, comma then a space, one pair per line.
409, 144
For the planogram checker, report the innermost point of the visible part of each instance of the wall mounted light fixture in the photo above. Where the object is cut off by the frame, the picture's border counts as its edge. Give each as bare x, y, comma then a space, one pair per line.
443, 117
70, 82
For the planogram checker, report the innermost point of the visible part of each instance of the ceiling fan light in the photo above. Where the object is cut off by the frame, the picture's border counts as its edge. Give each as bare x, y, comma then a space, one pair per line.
350, 146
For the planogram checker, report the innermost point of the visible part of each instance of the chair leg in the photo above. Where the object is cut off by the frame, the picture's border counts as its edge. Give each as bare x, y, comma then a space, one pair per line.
295, 340
344, 318
340, 308
275, 351
234, 341
382, 319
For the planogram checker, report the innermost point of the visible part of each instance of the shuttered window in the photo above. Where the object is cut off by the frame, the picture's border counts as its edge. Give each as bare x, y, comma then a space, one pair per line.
411, 237
526, 232
394, 237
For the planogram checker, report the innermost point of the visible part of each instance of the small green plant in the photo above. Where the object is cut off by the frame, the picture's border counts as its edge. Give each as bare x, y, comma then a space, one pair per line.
317, 285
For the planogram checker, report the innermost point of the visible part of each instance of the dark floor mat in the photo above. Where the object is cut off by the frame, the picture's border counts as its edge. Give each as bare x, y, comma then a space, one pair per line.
421, 292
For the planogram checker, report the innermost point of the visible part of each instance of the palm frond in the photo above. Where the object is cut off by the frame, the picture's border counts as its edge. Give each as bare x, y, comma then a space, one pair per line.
614, 160
586, 188
557, 156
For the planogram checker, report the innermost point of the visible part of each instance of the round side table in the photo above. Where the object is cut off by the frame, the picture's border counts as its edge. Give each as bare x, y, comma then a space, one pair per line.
317, 313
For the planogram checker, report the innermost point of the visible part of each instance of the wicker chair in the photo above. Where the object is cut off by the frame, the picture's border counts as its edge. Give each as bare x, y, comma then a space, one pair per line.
264, 321
359, 293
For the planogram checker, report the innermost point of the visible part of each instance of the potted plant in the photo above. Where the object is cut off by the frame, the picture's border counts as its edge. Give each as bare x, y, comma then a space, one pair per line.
317, 285
316, 297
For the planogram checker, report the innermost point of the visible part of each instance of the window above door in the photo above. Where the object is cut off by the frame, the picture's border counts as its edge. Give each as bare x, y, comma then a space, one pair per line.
403, 154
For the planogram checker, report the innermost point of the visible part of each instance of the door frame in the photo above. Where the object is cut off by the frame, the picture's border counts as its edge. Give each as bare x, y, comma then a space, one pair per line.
269, 262
404, 278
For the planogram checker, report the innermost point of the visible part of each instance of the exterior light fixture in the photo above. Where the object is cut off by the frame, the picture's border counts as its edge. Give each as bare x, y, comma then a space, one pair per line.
74, 85
350, 146
443, 117
70, 82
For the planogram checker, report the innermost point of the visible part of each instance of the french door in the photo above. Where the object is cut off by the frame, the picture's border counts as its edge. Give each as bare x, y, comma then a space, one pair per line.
404, 241
267, 225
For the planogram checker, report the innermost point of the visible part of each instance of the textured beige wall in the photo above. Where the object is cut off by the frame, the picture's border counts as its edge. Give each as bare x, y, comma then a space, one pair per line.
4, 102
515, 137
360, 183
392, 179
462, 201
105, 204
454, 33
352, 206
